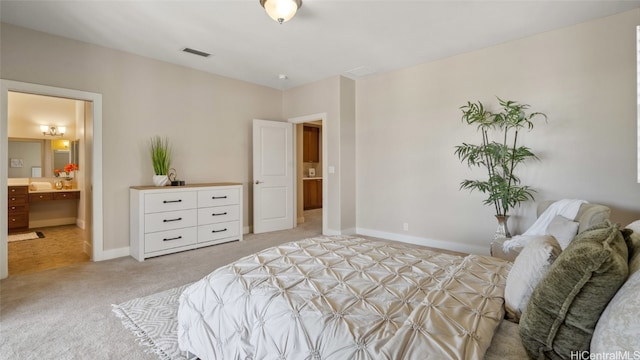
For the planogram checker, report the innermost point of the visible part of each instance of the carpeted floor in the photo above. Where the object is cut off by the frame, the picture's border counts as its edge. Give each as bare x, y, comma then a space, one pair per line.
66, 313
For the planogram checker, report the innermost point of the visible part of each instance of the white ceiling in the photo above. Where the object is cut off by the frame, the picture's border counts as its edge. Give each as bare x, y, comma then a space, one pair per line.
326, 37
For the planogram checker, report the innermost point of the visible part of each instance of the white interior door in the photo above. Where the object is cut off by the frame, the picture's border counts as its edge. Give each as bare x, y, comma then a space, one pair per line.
272, 176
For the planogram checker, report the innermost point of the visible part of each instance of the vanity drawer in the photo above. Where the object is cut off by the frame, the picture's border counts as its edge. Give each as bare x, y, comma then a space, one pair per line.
218, 231
35, 197
169, 201
18, 220
170, 220
18, 190
170, 239
216, 214
66, 195
16, 209
18, 199
218, 197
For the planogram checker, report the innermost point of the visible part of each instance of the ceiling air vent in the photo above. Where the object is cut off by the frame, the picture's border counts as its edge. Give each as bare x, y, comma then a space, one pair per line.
196, 52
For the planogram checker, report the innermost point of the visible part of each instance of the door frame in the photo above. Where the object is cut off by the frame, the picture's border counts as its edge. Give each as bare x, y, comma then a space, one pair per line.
97, 252
325, 161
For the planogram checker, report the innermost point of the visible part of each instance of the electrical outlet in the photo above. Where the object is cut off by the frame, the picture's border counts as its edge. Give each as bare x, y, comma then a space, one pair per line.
405, 226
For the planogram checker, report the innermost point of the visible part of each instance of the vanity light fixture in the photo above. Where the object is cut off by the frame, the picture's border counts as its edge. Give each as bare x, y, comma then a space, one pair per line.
281, 10
52, 130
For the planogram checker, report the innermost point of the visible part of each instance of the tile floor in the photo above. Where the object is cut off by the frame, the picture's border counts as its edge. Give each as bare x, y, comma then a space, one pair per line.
61, 246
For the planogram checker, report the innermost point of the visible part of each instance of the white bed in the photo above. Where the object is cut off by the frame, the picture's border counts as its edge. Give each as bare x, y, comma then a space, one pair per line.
350, 298
345, 298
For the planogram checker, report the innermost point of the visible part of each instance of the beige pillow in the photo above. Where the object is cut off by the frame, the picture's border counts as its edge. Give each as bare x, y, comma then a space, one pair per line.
618, 327
528, 269
563, 229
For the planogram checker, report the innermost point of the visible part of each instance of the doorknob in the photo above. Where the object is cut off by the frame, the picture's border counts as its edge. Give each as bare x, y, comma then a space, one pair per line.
259, 182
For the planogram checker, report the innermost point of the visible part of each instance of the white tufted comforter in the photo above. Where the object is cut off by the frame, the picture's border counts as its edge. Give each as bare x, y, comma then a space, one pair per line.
345, 298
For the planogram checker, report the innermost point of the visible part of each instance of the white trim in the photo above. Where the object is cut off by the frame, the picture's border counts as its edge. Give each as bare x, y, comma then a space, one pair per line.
325, 172
115, 253
97, 213
439, 244
331, 232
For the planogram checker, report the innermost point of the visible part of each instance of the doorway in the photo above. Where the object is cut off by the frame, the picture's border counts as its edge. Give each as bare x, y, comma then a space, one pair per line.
311, 171
91, 184
56, 215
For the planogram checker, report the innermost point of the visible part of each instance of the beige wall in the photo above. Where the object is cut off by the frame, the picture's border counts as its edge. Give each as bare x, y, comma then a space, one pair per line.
390, 136
583, 77
207, 117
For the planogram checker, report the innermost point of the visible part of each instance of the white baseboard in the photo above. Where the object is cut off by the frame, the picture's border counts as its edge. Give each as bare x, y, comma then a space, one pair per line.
114, 254
439, 244
331, 232
80, 223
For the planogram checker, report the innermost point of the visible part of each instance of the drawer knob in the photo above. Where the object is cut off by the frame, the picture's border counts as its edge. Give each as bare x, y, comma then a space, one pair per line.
13, 208
13, 220
219, 214
170, 220
171, 201
218, 197
217, 231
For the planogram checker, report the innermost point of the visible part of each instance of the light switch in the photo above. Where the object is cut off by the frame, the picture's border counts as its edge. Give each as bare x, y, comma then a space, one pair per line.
332, 169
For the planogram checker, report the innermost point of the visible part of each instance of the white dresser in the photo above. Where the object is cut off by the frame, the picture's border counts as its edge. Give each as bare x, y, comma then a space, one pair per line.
169, 219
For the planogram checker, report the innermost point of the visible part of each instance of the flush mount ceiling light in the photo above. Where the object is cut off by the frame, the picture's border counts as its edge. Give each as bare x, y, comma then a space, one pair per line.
52, 130
281, 10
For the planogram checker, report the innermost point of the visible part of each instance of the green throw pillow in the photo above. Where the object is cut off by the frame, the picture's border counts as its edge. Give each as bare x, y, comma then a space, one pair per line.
565, 306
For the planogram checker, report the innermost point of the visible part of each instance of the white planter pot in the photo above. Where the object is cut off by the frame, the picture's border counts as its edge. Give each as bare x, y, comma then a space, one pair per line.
160, 180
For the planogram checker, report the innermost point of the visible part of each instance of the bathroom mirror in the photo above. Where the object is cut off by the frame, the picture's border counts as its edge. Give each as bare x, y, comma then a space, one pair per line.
25, 158
34, 158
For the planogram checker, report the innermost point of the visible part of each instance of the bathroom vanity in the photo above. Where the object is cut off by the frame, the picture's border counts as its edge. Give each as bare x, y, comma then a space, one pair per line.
33, 209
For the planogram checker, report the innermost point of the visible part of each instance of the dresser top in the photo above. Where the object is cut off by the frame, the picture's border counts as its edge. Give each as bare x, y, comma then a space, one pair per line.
151, 187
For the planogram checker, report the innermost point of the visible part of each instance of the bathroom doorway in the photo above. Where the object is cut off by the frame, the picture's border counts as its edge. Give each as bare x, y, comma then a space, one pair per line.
311, 168
87, 178
47, 225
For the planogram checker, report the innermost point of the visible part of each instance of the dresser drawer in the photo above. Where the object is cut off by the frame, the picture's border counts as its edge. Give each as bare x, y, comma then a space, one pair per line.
218, 231
66, 195
216, 214
18, 209
170, 201
35, 197
170, 239
18, 220
18, 190
218, 197
170, 220
18, 199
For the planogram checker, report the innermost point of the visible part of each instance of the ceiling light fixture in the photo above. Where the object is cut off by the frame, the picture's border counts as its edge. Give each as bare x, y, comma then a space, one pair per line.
52, 130
281, 10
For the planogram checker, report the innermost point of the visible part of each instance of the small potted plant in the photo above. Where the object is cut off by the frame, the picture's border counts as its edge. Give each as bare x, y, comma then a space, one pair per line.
499, 158
161, 159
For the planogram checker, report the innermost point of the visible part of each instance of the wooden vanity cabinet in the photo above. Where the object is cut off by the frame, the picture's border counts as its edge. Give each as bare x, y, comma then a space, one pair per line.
18, 208
312, 194
311, 144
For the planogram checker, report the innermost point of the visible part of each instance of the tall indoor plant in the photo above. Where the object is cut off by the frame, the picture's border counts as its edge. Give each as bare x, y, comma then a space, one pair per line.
498, 158
161, 159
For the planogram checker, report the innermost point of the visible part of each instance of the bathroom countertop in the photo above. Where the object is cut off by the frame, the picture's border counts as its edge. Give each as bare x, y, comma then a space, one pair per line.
18, 181
51, 190
313, 178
